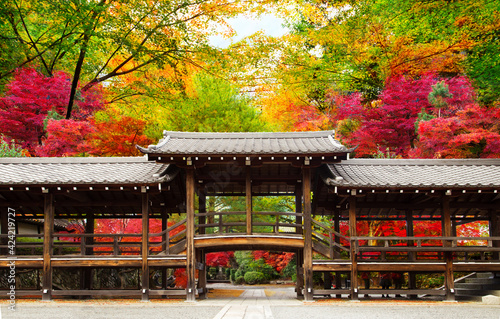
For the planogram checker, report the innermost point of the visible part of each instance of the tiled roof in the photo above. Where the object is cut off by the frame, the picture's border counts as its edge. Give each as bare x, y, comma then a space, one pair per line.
423, 173
291, 143
82, 170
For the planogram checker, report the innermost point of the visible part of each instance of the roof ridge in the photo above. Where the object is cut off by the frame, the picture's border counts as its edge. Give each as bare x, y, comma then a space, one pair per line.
230, 135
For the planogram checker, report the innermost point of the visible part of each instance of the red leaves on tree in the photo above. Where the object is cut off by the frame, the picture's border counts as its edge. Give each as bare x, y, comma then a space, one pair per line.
275, 260
117, 135
472, 133
29, 98
66, 138
221, 259
391, 125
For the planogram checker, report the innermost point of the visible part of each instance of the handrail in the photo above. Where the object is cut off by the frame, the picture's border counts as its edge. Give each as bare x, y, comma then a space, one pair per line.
168, 229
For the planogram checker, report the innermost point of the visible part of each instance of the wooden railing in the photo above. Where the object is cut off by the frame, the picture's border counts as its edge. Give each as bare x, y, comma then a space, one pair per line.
25, 244
415, 248
328, 242
235, 222
98, 244
283, 222
169, 241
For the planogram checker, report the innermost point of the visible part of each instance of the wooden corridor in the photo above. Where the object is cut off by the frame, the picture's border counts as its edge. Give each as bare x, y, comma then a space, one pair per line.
185, 169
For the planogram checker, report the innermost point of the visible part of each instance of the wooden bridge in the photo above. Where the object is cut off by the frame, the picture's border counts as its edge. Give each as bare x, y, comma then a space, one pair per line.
330, 190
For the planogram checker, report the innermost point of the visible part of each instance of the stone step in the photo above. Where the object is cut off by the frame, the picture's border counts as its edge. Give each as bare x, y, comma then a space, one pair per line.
489, 281
474, 292
484, 275
477, 286
468, 298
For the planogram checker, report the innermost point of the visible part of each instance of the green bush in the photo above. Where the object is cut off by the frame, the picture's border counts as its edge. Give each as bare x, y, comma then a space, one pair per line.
239, 280
233, 275
254, 277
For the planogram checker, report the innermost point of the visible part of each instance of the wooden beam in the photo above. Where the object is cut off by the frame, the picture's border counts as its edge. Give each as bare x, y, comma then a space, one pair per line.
48, 230
248, 196
190, 252
308, 267
449, 282
145, 246
353, 233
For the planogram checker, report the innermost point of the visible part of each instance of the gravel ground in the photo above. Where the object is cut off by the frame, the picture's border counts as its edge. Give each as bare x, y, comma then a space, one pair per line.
146, 310
387, 311
56, 310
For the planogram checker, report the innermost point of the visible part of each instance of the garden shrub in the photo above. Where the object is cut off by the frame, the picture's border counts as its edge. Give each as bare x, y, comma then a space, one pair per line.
254, 277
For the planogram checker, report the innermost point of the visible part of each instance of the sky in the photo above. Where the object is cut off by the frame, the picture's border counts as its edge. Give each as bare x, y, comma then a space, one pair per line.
245, 26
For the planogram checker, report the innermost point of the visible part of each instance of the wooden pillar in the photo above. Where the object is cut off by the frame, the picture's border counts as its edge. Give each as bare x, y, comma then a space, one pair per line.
202, 209
48, 230
145, 245
202, 273
300, 272
164, 226
448, 276
190, 253
298, 208
308, 271
336, 227
412, 279
353, 234
494, 230
248, 195
86, 277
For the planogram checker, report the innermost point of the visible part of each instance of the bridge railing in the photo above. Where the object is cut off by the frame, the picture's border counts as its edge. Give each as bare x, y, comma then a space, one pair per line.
168, 241
328, 242
262, 222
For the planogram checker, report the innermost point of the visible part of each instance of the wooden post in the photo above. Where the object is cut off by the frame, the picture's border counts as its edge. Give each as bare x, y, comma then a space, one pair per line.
299, 255
412, 279
448, 276
353, 234
145, 245
48, 230
190, 253
86, 278
164, 226
308, 271
202, 209
336, 227
494, 230
202, 273
248, 195
298, 208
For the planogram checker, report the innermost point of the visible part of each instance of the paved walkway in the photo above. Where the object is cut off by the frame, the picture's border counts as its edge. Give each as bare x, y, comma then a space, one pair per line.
253, 304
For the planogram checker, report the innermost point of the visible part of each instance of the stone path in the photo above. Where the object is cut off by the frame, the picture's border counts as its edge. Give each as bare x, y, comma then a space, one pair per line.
253, 304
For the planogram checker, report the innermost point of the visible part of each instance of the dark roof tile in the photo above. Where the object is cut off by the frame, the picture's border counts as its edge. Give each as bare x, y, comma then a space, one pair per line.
290, 143
82, 170
445, 173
